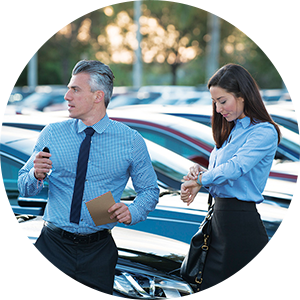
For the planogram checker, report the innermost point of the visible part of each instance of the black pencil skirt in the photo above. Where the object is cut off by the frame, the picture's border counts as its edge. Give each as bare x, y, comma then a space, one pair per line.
237, 236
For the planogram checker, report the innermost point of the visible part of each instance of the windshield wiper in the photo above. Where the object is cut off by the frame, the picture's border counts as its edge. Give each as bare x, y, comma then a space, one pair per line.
16, 218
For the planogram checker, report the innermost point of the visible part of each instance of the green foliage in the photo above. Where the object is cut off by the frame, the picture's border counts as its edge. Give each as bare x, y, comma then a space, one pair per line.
124, 74
79, 40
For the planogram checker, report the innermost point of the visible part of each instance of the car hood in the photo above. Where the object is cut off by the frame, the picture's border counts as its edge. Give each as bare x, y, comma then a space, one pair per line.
281, 223
132, 244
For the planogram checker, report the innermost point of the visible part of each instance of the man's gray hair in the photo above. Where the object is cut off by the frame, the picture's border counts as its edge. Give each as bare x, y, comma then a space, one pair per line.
101, 77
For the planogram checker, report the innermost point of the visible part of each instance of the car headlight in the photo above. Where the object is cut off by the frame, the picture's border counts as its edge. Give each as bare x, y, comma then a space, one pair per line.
283, 249
140, 284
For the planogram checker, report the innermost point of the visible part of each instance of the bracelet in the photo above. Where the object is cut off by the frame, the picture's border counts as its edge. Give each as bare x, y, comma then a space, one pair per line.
198, 178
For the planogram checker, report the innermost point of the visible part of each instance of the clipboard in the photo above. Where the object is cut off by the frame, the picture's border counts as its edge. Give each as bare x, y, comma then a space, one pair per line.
98, 208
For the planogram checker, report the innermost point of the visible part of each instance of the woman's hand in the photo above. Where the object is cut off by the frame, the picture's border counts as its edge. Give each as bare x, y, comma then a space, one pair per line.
193, 173
189, 190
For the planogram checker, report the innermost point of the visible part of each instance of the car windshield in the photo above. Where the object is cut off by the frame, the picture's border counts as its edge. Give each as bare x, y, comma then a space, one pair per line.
35, 98
290, 138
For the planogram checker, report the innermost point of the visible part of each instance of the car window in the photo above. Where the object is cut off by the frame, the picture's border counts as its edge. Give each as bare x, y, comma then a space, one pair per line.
10, 170
173, 144
57, 99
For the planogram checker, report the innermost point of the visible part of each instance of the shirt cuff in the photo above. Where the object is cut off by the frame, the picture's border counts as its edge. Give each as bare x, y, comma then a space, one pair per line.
206, 178
31, 176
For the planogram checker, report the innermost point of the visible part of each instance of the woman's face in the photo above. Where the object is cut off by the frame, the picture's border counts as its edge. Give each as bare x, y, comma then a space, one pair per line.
230, 107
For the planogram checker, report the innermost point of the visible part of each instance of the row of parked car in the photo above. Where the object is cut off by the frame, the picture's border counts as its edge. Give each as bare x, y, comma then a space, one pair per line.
151, 252
51, 97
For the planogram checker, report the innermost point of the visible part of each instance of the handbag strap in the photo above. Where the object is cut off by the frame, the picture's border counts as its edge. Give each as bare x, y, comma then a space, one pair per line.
210, 201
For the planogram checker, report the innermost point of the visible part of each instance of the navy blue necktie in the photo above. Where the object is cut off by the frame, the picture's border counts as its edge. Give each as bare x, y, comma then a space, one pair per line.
82, 162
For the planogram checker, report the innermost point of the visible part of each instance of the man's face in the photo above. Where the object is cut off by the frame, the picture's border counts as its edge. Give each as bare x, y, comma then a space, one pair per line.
80, 99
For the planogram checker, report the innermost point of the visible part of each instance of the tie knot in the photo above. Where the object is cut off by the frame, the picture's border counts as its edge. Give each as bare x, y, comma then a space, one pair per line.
89, 131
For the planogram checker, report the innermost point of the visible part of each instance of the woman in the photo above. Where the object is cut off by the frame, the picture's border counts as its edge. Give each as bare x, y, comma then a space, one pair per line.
246, 140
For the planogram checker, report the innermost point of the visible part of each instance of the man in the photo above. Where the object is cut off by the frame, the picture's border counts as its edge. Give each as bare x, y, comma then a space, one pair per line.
70, 239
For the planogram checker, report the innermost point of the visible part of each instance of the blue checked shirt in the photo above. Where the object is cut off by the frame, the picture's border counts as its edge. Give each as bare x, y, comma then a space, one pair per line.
241, 167
117, 153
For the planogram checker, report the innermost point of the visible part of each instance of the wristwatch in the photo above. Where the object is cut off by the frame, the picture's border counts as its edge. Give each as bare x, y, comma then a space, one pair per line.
198, 178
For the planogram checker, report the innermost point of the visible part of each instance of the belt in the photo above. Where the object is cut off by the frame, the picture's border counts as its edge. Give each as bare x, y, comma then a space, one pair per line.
79, 238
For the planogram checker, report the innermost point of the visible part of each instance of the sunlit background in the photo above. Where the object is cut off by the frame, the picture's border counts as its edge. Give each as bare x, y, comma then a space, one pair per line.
171, 43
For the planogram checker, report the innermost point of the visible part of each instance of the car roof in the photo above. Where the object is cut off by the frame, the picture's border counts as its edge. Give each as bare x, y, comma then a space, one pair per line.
13, 139
197, 133
171, 167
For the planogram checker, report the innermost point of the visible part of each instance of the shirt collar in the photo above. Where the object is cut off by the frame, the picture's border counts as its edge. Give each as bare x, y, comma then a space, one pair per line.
245, 122
98, 127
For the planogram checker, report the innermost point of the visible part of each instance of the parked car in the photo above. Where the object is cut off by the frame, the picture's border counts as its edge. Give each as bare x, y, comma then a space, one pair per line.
290, 96
170, 138
11, 290
198, 113
14, 109
292, 105
147, 267
184, 137
42, 97
187, 138
171, 219
14, 95
273, 95
16, 146
289, 147
194, 140
284, 115
184, 97
133, 98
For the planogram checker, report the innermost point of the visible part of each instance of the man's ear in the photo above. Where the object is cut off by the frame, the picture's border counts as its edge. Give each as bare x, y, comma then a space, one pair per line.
99, 96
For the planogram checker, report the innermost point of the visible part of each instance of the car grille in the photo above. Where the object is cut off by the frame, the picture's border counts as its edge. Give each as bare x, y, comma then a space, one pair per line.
282, 296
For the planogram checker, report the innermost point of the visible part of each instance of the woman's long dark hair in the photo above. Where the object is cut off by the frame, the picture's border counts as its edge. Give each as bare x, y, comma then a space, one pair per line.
237, 80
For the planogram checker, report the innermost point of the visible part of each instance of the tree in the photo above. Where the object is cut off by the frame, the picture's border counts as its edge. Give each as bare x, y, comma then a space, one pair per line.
256, 42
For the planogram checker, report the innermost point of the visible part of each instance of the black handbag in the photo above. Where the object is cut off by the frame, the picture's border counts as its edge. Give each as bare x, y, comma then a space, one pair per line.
193, 264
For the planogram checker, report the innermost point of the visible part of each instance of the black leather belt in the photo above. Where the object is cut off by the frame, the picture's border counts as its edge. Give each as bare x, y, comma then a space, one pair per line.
79, 238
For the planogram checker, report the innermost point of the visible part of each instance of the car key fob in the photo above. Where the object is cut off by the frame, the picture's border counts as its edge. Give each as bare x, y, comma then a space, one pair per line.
46, 149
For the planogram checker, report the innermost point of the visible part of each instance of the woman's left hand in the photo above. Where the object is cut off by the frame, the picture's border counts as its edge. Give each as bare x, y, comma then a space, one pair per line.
189, 190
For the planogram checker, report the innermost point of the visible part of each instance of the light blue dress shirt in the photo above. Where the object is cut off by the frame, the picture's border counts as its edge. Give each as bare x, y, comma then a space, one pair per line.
117, 152
241, 167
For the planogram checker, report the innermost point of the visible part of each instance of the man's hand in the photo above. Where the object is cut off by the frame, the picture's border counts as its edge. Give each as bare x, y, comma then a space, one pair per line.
121, 212
42, 165
189, 190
